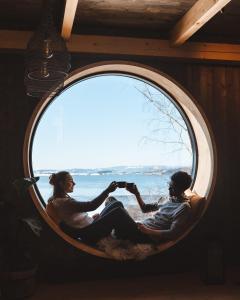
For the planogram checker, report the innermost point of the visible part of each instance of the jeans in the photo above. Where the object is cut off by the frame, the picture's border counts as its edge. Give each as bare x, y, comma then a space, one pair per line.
113, 216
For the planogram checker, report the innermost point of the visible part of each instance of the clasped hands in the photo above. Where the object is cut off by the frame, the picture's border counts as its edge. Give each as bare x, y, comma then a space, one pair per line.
131, 187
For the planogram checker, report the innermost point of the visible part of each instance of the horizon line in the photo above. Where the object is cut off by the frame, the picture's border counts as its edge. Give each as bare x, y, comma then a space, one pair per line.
117, 166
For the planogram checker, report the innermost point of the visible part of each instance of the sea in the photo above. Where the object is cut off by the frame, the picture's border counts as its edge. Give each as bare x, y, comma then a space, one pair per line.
153, 186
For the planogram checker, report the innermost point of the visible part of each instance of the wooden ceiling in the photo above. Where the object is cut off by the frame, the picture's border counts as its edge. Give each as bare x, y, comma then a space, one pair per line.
136, 18
158, 16
174, 21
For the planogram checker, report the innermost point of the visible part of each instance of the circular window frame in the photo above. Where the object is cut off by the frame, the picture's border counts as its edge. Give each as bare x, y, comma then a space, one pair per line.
115, 73
204, 146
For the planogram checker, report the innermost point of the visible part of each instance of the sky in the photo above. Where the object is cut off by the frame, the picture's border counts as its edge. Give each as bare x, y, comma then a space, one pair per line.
106, 121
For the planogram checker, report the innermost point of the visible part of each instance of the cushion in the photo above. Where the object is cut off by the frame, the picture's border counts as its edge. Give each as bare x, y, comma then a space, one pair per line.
197, 204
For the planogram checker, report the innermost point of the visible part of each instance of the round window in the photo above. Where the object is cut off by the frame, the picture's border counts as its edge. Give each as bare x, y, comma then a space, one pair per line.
118, 122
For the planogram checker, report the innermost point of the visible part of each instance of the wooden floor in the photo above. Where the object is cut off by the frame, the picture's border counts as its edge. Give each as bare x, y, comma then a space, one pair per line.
168, 287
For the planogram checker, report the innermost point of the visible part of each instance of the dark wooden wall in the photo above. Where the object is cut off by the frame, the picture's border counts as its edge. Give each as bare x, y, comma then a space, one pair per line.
217, 90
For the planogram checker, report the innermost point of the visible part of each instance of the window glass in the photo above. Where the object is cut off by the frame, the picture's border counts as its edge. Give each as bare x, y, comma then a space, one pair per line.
112, 127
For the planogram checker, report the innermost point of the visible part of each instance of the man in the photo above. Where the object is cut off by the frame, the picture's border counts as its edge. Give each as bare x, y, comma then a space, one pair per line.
172, 217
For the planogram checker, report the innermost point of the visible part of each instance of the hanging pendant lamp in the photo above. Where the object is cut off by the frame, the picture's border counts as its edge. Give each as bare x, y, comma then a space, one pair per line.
47, 58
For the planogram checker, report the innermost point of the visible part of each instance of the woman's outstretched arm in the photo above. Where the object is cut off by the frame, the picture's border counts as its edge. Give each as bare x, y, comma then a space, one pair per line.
95, 203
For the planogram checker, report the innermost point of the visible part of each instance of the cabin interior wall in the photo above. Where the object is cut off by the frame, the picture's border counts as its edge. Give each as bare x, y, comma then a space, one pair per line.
216, 87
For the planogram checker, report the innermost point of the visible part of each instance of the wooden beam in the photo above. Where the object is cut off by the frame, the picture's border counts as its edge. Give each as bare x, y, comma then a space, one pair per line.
68, 19
131, 46
152, 47
201, 12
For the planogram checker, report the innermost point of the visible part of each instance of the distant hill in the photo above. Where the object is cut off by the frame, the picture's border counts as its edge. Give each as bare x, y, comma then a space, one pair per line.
147, 170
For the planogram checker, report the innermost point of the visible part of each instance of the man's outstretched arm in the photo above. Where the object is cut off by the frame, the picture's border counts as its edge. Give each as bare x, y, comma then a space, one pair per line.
144, 207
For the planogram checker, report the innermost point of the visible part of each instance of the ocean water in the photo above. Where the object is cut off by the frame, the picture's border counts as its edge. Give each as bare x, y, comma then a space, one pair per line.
90, 186
151, 187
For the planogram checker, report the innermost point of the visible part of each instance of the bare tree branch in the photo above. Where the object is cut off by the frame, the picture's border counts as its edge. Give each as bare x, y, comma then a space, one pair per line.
170, 121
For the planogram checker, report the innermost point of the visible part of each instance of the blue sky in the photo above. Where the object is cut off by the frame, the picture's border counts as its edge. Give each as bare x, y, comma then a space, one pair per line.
106, 121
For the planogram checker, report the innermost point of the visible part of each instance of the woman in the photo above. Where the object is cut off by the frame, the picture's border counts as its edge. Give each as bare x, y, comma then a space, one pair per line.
72, 216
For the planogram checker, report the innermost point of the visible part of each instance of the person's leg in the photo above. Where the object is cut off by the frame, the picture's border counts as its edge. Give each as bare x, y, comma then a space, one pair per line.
90, 234
110, 199
118, 219
111, 203
91, 231
125, 227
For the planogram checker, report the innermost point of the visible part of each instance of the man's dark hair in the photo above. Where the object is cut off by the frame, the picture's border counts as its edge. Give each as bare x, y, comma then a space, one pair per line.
182, 180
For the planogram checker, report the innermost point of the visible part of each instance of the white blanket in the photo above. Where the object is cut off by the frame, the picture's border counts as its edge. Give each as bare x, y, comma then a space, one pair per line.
125, 250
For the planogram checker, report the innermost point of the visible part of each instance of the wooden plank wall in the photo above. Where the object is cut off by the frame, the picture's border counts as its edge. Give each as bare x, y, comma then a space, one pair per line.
217, 90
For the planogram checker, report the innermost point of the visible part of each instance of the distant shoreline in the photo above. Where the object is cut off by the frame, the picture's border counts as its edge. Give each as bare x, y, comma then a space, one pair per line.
118, 170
